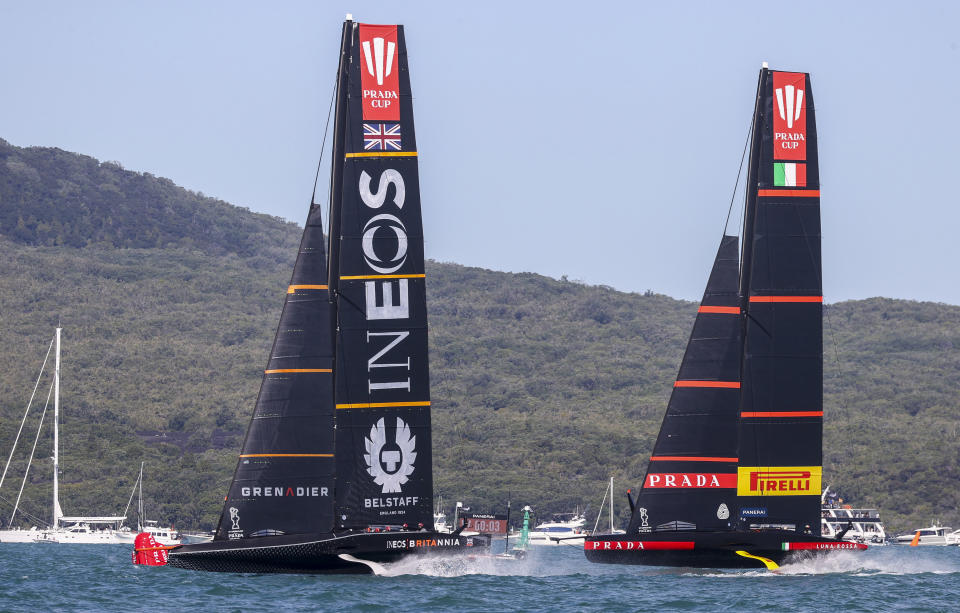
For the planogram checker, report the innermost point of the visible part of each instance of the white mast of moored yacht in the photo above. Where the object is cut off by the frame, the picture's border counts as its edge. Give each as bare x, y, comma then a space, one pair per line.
611, 505
57, 513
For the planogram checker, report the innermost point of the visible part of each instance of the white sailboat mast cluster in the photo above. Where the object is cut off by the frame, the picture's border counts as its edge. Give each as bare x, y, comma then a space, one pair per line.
107, 529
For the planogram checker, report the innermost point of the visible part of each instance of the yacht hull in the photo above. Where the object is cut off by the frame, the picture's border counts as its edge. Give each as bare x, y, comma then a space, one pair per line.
709, 549
349, 553
19, 536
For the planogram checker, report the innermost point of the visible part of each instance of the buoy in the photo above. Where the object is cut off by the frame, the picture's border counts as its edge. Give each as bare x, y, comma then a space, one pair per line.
916, 539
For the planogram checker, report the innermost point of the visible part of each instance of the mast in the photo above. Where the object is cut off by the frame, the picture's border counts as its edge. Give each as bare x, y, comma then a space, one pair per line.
752, 183
337, 161
140, 520
611, 505
57, 513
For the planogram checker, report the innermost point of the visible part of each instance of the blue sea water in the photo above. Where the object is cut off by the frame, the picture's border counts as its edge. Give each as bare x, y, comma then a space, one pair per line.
39, 578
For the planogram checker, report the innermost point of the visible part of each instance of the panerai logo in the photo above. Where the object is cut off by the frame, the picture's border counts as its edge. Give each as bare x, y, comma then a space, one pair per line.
390, 464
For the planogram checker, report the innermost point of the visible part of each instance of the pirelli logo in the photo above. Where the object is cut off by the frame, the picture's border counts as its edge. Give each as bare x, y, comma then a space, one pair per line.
778, 480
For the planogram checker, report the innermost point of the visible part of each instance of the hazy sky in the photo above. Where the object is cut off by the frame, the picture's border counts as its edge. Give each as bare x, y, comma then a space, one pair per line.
598, 140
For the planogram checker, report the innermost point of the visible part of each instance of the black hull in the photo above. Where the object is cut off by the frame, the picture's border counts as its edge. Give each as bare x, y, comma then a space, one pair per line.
709, 549
320, 553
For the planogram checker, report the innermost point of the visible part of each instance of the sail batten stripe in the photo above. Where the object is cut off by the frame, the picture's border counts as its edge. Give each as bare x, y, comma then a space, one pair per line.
378, 405
675, 458
356, 277
792, 193
296, 370
381, 154
294, 288
720, 384
786, 298
781, 414
726, 310
286, 455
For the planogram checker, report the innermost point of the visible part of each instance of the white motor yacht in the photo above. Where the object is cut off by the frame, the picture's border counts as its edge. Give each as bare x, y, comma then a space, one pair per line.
562, 529
934, 535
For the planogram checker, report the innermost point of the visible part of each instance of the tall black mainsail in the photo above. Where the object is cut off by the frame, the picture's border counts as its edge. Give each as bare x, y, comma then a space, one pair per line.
382, 380
335, 471
734, 479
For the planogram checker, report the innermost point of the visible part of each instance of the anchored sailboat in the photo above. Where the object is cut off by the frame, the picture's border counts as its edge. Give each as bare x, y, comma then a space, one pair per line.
83, 530
335, 472
734, 479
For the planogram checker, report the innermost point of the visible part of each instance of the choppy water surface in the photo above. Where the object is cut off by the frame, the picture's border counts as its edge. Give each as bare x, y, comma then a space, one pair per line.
101, 578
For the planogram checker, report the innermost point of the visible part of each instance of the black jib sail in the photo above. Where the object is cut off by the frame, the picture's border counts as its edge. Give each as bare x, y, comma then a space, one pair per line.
691, 480
734, 479
284, 480
335, 472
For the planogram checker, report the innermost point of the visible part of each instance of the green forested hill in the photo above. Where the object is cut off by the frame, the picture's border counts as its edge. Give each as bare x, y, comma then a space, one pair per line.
542, 389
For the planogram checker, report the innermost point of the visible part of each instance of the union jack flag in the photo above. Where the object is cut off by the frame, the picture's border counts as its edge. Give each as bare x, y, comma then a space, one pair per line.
381, 136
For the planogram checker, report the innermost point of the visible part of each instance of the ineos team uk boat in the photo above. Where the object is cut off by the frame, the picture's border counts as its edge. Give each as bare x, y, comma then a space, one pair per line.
335, 472
734, 479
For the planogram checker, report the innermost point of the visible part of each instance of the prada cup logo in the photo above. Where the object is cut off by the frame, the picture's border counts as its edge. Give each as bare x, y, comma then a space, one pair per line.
390, 465
790, 107
374, 261
235, 518
375, 60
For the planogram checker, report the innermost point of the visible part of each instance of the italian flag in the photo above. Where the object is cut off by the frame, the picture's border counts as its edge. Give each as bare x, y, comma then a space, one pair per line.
789, 174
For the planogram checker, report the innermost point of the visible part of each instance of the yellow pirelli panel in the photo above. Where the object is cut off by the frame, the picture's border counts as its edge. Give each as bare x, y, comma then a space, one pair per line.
778, 480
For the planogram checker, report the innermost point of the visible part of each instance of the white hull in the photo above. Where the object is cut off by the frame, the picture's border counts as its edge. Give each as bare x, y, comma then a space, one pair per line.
543, 539
934, 536
91, 537
19, 536
163, 536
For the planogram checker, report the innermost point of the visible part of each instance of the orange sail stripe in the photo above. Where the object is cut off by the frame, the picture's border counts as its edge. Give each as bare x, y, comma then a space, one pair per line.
786, 298
719, 309
677, 458
377, 405
724, 384
794, 193
781, 414
294, 288
286, 455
